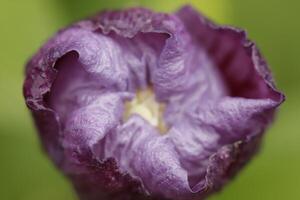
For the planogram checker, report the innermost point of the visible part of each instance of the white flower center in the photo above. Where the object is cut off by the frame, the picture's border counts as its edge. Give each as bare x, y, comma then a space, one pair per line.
146, 106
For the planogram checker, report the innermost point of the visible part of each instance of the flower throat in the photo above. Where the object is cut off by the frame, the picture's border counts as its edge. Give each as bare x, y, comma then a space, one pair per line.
145, 105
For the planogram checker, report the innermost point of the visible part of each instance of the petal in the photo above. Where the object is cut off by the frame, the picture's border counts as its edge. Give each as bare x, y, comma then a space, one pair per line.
207, 129
238, 59
174, 61
147, 156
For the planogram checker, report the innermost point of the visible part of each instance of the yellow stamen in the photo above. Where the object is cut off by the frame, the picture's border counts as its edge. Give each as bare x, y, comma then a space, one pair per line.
146, 106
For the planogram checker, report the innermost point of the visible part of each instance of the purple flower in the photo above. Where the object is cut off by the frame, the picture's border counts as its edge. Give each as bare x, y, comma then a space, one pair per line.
134, 104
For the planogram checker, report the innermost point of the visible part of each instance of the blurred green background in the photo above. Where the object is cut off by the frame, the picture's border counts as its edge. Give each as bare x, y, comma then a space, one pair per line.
27, 174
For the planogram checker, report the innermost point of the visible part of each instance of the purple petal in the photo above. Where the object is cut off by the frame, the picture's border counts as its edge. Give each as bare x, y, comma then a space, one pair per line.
238, 59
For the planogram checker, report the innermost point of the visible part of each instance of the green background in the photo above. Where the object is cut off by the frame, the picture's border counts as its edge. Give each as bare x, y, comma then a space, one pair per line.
27, 174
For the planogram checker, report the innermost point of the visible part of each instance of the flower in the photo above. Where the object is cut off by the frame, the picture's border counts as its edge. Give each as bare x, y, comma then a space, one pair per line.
135, 104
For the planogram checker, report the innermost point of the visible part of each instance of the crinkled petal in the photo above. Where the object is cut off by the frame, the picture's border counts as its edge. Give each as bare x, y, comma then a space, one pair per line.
207, 129
171, 69
141, 151
238, 59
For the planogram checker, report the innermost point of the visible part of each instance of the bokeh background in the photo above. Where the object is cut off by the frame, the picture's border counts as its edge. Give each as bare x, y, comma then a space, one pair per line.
27, 174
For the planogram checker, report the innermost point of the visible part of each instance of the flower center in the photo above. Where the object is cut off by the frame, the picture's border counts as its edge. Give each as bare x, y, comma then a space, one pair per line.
145, 105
